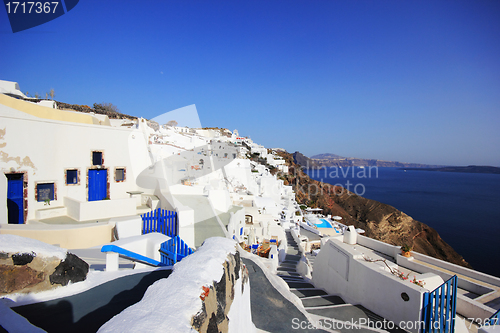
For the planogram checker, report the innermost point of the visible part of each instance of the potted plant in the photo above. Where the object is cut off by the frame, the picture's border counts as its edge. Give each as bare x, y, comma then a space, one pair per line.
406, 250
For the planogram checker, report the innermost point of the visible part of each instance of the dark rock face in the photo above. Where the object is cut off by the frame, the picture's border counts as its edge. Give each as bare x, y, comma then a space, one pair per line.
23, 258
212, 325
304, 161
15, 278
71, 269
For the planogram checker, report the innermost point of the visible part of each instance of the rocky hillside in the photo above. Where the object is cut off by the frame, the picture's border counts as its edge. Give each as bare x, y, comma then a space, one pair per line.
332, 160
380, 221
112, 114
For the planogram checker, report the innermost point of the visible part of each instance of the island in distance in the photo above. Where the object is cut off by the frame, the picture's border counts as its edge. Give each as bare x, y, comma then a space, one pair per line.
466, 169
332, 160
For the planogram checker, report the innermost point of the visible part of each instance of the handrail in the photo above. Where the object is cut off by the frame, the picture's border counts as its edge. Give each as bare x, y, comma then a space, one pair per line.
130, 254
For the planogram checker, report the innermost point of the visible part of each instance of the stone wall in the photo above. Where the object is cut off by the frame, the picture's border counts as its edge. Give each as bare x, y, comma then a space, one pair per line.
218, 298
208, 291
28, 272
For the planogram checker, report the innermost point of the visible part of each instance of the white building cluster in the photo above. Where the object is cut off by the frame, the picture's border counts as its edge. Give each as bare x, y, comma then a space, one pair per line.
62, 169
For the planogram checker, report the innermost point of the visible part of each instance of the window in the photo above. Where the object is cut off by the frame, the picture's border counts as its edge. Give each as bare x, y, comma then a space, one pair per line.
45, 192
96, 158
119, 174
71, 176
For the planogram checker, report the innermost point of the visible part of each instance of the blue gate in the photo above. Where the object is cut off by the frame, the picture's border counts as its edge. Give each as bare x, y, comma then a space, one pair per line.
174, 250
439, 308
160, 220
98, 184
495, 319
15, 200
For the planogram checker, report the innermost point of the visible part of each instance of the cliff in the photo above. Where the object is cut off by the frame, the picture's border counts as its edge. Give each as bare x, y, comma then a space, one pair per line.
380, 221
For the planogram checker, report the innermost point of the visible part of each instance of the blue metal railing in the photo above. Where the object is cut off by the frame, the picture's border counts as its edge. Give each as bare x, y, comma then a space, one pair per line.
495, 319
130, 254
439, 308
174, 250
160, 220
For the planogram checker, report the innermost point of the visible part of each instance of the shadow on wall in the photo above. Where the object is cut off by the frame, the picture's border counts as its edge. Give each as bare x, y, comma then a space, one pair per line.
89, 310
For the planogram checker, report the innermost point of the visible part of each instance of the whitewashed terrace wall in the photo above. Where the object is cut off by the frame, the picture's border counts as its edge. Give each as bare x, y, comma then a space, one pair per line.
466, 306
358, 282
102, 209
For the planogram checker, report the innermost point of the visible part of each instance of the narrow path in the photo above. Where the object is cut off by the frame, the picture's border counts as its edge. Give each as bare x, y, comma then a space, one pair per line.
271, 312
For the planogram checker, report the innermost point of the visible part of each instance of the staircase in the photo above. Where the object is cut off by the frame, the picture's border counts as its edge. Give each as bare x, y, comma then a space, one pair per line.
323, 307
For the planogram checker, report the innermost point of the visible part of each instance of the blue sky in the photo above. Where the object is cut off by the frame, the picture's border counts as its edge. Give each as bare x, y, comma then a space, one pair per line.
411, 81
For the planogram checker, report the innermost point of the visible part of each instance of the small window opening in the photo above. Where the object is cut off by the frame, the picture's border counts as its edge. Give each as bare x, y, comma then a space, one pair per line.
45, 192
96, 158
120, 174
72, 176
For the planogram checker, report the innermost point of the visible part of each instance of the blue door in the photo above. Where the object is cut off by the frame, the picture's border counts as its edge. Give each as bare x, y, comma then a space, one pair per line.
98, 180
15, 200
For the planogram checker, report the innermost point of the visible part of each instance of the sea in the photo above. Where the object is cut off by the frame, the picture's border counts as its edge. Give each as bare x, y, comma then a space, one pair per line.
463, 207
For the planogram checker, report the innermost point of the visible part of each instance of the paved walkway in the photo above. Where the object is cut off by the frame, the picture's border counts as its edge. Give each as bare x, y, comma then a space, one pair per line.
271, 312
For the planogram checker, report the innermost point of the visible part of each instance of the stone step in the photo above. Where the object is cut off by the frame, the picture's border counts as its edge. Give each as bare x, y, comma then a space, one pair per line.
289, 263
286, 269
293, 279
286, 264
293, 284
345, 312
285, 273
291, 258
294, 257
308, 292
322, 301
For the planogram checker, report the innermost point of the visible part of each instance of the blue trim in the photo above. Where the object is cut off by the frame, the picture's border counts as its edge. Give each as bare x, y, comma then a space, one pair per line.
440, 306
174, 250
495, 319
15, 198
130, 254
98, 182
162, 221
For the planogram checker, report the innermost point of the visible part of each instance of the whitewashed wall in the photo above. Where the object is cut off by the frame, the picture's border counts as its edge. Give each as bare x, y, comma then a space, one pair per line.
45, 148
339, 271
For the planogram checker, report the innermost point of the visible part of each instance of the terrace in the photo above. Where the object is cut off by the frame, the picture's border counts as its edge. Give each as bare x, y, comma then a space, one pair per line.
365, 271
